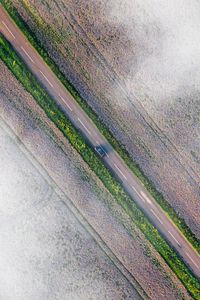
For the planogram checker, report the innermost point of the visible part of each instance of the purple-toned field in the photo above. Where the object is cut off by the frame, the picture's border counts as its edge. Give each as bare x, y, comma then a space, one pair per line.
48, 199
136, 63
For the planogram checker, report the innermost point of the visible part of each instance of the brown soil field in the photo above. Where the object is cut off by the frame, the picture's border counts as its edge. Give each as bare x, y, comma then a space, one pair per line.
76, 187
135, 64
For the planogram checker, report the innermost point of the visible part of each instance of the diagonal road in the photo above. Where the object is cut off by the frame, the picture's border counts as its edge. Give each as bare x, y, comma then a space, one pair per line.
81, 121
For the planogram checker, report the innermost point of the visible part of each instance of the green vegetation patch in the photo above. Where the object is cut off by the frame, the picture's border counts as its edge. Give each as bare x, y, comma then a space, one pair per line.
180, 223
55, 114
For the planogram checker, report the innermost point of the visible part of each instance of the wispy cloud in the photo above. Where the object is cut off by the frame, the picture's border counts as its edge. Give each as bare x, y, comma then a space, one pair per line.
167, 44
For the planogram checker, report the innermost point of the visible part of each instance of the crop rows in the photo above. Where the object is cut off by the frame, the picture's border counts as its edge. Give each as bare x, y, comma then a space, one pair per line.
30, 83
180, 223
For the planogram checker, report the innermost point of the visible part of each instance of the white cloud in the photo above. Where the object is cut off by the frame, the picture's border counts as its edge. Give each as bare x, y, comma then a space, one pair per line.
167, 39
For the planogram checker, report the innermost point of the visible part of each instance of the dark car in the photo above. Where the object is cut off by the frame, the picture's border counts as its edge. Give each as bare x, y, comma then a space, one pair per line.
100, 151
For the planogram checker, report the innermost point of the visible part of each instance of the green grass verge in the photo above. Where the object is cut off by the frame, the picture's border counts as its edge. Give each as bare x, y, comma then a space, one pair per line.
180, 223
54, 113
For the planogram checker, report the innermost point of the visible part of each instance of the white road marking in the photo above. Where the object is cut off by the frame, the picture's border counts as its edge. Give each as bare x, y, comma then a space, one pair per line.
8, 29
46, 79
192, 260
65, 102
145, 197
137, 192
27, 54
84, 126
153, 212
173, 237
120, 171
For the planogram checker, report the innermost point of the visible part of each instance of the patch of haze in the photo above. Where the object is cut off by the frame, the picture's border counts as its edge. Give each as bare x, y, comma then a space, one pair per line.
167, 39
45, 252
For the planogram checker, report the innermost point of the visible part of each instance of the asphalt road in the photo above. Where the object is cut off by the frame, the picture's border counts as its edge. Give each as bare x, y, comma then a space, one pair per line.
81, 121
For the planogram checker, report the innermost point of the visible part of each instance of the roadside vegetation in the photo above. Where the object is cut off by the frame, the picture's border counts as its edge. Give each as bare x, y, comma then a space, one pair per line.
30, 83
180, 223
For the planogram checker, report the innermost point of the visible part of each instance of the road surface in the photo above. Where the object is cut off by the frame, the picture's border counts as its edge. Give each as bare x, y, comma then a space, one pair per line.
81, 121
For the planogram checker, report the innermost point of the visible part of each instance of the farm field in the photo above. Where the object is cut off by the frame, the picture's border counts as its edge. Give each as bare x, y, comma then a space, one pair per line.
159, 127
29, 82
19, 110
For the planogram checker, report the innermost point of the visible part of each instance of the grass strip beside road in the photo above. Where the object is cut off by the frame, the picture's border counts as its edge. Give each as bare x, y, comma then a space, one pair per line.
55, 114
180, 223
